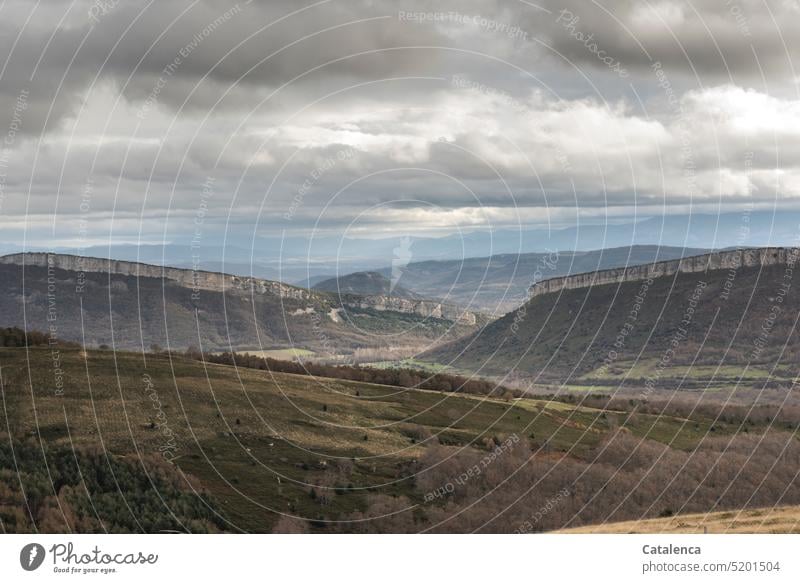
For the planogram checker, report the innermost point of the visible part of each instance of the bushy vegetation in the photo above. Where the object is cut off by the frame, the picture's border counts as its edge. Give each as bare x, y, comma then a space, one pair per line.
345, 451
16, 337
623, 478
398, 377
90, 491
696, 407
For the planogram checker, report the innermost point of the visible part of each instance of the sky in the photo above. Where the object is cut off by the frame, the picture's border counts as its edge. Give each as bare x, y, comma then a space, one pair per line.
213, 122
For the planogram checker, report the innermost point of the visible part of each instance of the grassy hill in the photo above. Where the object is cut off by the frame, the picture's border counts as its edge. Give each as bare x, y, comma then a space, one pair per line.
716, 329
259, 443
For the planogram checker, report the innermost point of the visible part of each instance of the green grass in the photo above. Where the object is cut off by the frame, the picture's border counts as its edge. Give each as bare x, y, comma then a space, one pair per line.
648, 367
281, 353
412, 363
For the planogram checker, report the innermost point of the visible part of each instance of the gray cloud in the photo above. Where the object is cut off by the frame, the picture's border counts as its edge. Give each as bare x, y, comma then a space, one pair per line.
453, 115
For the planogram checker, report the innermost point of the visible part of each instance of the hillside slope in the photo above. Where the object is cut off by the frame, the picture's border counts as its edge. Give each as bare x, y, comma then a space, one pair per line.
716, 327
259, 442
500, 283
262, 444
778, 520
133, 305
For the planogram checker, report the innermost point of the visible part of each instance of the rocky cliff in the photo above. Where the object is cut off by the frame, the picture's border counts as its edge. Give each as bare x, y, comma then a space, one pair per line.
198, 280
720, 261
188, 278
424, 308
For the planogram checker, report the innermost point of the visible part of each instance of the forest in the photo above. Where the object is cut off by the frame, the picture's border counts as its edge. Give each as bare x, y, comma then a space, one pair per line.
395, 377
88, 490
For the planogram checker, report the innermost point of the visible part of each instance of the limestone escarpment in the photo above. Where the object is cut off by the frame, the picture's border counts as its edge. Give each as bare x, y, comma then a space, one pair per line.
424, 308
198, 280
714, 322
722, 260
189, 278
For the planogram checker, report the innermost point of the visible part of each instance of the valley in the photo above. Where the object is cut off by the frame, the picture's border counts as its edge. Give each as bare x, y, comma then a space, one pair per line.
557, 409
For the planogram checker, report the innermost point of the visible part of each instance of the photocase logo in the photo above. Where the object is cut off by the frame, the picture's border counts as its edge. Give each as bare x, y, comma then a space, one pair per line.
31, 556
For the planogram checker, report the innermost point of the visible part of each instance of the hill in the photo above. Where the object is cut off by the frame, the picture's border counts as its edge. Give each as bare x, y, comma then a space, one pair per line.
133, 305
364, 283
777, 520
730, 321
500, 283
343, 456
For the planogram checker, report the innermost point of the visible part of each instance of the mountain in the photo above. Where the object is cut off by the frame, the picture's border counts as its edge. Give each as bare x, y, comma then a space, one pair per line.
294, 259
365, 283
134, 305
723, 319
698, 230
500, 283
310, 282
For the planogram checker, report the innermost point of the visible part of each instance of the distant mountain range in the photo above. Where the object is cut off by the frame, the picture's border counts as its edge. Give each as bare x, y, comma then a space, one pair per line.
295, 259
365, 283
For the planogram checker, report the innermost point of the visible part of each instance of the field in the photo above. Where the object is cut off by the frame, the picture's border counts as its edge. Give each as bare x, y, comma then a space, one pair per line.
763, 521
410, 363
264, 443
281, 353
256, 440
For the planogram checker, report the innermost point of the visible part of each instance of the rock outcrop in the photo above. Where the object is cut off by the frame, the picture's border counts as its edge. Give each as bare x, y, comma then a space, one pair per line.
198, 280
189, 278
424, 308
722, 260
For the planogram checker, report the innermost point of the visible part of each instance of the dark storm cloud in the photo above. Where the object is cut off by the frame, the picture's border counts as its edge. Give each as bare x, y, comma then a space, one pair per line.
705, 40
451, 111
57, 49
261, 44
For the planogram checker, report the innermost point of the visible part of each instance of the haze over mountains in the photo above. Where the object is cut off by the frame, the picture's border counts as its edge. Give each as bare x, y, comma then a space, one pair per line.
365, 283
295, 259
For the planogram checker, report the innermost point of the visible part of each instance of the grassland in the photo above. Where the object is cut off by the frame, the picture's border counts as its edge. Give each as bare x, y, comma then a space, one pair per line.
264, 443
281, 353
410, 363
642, 369
761, 521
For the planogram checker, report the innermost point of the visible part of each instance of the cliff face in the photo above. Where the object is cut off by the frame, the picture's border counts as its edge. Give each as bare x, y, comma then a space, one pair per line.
718, 315
424, 308
188, 278
197, 280
723, 260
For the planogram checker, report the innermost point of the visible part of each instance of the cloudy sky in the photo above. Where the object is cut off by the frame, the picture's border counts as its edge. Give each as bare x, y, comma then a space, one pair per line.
162, 121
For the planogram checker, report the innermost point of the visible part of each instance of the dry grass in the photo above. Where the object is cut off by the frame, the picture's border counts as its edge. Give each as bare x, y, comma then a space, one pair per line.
756, 521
